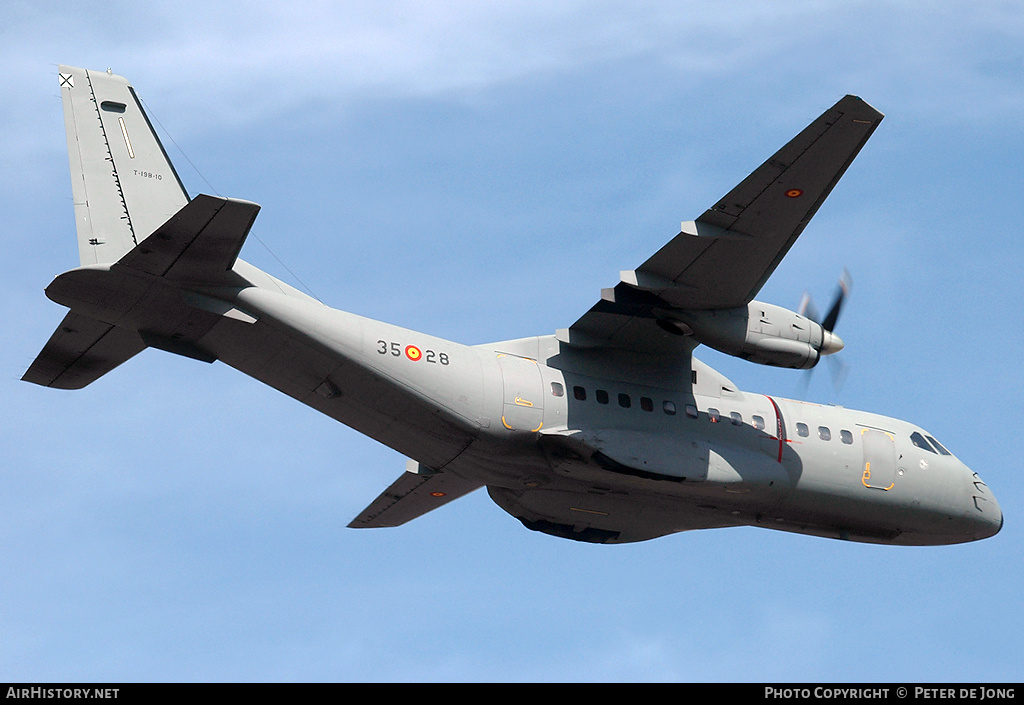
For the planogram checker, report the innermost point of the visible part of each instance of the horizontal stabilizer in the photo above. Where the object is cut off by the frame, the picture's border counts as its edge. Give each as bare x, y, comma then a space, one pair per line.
410, 496
80, 351
198, 243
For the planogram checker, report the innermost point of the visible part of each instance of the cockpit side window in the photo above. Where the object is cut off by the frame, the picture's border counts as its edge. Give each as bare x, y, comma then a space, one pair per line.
918, 440
938, 446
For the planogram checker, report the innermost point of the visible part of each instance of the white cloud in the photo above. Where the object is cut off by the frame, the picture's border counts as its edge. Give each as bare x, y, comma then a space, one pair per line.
236, 62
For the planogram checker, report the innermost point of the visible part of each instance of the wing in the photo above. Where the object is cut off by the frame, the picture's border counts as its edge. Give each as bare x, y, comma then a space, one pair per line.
412, 495
722, 259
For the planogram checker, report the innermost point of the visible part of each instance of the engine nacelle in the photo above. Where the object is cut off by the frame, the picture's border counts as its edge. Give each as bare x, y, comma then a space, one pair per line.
762, 333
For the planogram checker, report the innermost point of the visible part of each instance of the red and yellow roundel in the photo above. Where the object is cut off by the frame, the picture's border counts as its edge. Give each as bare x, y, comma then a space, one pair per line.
413, 353
794, 193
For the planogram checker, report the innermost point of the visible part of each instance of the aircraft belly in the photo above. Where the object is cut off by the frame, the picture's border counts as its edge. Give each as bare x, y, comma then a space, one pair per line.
601, 514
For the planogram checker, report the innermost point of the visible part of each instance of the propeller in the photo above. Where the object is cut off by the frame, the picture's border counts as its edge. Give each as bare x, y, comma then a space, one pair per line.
832, 343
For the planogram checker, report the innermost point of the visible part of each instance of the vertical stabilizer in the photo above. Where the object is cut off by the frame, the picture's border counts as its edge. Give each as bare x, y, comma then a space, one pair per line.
123, 184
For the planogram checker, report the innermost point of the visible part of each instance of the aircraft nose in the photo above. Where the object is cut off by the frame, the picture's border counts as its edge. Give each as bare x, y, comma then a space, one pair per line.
987, 516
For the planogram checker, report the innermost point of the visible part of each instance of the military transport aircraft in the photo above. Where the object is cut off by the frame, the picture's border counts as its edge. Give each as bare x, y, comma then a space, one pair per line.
607, 431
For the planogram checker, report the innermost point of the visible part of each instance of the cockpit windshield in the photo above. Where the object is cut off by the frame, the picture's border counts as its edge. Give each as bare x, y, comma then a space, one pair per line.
939, 447
928, 443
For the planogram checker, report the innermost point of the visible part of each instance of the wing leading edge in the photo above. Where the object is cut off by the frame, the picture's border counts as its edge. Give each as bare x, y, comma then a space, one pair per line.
722, 259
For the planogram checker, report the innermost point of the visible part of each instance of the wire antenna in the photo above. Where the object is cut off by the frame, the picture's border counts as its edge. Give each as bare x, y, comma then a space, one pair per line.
218, 193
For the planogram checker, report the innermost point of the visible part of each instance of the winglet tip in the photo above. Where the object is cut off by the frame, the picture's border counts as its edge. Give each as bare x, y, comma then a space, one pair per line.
878, 115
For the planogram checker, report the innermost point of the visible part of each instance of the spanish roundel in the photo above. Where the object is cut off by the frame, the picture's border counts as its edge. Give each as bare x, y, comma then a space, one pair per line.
413, 353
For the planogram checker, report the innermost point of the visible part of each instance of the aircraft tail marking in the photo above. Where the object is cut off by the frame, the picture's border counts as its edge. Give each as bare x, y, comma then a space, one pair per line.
123, 183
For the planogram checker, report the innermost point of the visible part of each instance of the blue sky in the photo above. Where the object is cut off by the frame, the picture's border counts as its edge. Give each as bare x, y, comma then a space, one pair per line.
479, 172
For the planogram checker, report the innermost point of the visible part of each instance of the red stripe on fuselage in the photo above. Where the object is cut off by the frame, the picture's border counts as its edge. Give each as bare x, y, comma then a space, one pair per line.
778, 426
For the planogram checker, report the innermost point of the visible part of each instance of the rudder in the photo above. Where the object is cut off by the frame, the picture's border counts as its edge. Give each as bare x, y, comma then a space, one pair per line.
123, 183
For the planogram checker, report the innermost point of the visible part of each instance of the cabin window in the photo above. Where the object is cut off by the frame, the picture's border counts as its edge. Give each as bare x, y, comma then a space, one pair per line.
939, 447
624, 401
579, 393
714, 416
824, 433
759, 422
601, 396
646, 404
737, 418
802, 430
918, 440
846, 437
691, 411
557, 389
669, 408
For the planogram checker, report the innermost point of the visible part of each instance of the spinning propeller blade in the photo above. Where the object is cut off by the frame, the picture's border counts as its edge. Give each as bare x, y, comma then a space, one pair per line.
807, 309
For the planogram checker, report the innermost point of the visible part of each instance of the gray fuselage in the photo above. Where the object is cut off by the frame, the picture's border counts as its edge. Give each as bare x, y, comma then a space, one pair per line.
597, 445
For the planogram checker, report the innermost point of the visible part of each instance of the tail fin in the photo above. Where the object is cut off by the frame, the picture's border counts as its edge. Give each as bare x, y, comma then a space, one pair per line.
200, 243
125, 189
123, 184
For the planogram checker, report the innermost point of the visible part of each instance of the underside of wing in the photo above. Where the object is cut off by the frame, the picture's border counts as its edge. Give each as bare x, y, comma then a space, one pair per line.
722, 259
412, 495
